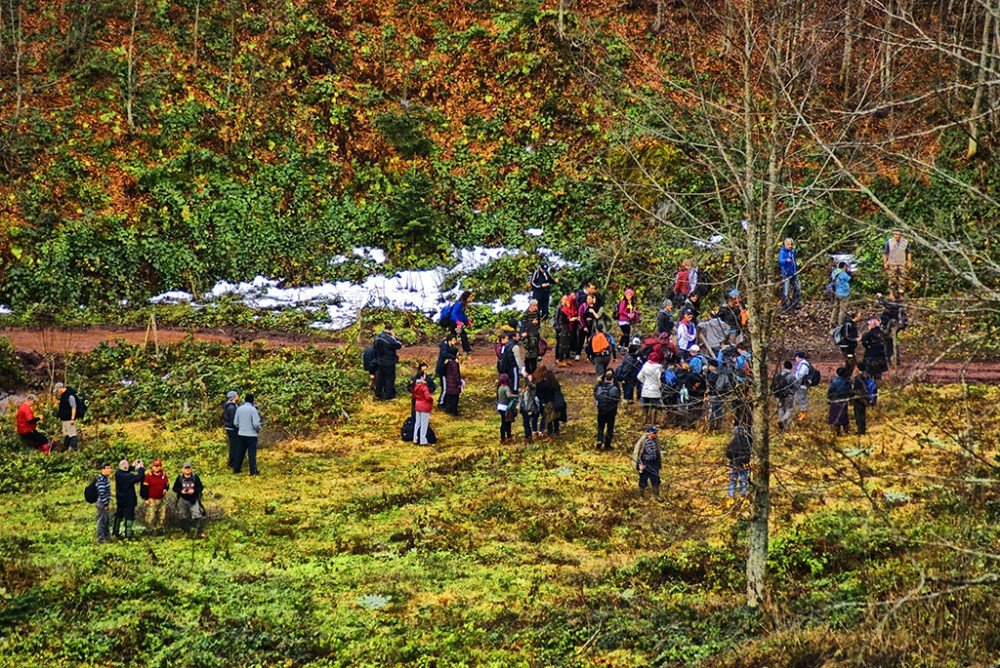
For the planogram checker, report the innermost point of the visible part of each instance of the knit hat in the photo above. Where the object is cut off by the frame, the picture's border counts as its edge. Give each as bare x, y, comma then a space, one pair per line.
629, 292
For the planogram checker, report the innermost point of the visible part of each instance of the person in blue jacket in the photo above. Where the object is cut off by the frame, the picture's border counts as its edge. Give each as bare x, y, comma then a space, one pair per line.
791, 289
455, 318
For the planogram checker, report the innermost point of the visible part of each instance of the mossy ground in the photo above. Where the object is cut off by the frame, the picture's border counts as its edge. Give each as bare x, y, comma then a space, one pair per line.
353, 548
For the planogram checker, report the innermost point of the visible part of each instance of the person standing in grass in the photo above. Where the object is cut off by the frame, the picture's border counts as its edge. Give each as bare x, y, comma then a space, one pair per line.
228, 413
103, 484
651, 380
841, 280
423, 403
69, 407
628, 314
783, 389
125, 498
865, 395
607, 397
566, 322
647, 460
248, 425
738, 457
454, 384
188, 488
530, 410
386, 346
447, 350
505, 398
154, 492
839, 395
801, 375
541, 288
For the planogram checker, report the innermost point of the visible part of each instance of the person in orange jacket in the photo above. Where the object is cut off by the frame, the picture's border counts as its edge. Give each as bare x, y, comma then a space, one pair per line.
27, 426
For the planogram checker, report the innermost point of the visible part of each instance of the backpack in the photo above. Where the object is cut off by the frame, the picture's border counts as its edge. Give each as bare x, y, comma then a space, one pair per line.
81, 407
723, 383
829, 289
543, 347
871, 390
669, 378
839, 335
628, 369
505, 358
697, 363
90, 492
445, 320
813, 377
406, 432
607, 396
368, 359
780, 387
599, 344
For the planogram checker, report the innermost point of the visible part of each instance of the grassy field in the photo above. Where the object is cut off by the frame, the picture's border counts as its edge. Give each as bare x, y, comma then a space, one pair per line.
353, 548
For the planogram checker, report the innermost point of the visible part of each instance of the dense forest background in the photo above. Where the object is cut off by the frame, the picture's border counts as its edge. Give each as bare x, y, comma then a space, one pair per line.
152, 145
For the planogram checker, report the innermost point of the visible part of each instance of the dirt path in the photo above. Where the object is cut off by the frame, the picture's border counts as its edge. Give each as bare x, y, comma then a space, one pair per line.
63, 341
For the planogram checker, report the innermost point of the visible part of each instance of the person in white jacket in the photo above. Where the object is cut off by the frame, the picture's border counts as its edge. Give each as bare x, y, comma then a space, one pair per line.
801, 374
247, 424
651, 377
687, 334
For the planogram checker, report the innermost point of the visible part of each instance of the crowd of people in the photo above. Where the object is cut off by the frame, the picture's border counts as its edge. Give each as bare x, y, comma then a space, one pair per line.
691, 371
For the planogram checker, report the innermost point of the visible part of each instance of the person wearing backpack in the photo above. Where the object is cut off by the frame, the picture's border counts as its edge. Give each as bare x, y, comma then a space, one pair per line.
423, 404
840, 278
71, 407
455, 318
628, 314
838, 395
551, 400
541, 288
783, 388
248, 426
607, 396
529, 347
693, 387
527, 404
153, 492
228, 413
506, 398
103, 485
601, 349
846, 336
188, 489
627, 372
386, 346
738, 457
647, 460
651, 378
893, 320
865, 395
125, 498
589, 315
803, 378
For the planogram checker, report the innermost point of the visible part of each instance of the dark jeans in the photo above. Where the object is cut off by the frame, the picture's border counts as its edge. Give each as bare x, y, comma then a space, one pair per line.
385, 382
626, 334
506, 427
530, 423
861, 417
103, 523
790, 292
530, 364
601, 363
717, 411
629, 389
247, 447
233, 440
35, 439
649, 476
606, 428
544, 298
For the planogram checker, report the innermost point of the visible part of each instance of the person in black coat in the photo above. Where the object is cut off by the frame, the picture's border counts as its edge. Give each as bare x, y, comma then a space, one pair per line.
738, 457
125, 496
228, 413
874, 343
447, 350
386, 345
541, 289
188, 488
849, 337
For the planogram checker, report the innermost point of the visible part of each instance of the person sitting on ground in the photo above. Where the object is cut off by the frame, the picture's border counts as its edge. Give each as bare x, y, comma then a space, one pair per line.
423, 403
647, 460
27, 426
607, 396
738, 458
125, 498
839, 395
628, 314
188, 488
154, 493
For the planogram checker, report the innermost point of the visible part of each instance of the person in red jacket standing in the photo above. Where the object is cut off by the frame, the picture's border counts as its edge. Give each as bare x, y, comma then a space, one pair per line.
27, 426
423, 402
154, 491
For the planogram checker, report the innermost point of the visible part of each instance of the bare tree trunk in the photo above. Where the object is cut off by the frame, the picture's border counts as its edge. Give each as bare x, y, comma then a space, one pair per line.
561, 24
197, 15
984, 57
130, 76
661, 9
845, 62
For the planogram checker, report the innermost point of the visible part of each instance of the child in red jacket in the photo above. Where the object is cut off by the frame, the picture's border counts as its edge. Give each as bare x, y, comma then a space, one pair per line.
423, 403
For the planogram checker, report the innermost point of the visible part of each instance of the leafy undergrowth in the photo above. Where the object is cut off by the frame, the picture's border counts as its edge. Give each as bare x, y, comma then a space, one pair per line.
352, 548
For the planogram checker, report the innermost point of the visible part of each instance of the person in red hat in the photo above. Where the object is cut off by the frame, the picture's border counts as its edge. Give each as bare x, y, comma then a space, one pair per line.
154, 491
